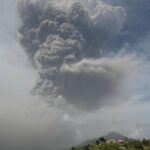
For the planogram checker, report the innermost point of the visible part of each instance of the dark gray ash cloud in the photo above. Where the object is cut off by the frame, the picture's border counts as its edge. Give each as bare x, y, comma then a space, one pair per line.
54, 37
90, 84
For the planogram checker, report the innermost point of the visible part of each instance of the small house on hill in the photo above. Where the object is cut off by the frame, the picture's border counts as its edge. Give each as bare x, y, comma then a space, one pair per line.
120, 141
111, 141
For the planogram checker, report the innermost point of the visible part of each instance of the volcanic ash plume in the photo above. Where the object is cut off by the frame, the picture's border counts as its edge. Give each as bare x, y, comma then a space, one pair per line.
64, 42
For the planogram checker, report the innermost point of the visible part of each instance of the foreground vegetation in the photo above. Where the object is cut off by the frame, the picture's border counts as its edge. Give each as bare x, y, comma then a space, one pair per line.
126, 145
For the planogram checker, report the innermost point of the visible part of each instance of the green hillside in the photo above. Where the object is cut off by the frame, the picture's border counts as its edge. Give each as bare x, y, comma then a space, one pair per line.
127, 144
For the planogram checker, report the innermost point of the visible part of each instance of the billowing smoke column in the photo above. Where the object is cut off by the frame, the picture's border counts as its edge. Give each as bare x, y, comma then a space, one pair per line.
64, 42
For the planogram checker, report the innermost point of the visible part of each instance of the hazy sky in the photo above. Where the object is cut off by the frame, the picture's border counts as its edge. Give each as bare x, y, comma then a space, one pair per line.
81, 70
